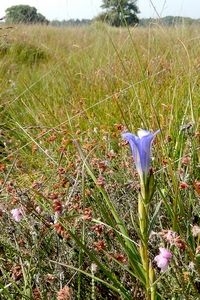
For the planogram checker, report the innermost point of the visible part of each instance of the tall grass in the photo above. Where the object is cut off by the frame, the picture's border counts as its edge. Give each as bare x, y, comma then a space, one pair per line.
66, 96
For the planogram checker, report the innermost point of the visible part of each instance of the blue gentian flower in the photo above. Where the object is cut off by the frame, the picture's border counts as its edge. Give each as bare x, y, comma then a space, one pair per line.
141, 149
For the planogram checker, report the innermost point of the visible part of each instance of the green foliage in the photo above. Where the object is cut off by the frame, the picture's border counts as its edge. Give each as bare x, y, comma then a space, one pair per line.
21, 53
64, 163
170, 21
119, 12
24, 14
71, 22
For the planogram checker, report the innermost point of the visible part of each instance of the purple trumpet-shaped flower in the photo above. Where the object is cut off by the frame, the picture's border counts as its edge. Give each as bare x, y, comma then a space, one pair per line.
141, 149
163, 259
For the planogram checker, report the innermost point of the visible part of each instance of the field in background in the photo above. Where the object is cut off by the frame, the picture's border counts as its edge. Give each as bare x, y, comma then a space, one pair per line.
66, 91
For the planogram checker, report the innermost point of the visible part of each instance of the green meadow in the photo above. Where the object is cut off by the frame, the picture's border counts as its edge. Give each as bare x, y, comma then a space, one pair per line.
66, 95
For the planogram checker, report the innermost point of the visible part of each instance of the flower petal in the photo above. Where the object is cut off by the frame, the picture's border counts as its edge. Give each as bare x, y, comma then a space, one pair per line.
141, 133
165, 253
145, 151
162, 262
163, 259
141, 149
17, 214
134, 144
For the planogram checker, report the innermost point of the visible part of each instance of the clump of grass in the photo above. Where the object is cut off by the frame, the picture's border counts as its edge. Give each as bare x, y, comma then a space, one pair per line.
27, 54
22, 53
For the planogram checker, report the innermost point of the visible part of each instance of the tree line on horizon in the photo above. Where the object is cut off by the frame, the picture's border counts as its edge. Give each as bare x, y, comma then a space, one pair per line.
166, 21
117, 13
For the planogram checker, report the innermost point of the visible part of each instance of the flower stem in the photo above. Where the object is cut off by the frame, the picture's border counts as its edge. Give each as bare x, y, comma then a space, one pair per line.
143, 213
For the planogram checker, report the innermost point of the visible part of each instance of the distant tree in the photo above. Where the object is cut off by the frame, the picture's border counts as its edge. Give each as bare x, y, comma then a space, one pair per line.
120, 12
41, 19
71, 22
169, 21
24, 14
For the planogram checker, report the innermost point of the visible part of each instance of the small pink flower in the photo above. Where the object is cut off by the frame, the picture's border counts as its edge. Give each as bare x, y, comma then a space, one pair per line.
163, 259
186, 160
17, 214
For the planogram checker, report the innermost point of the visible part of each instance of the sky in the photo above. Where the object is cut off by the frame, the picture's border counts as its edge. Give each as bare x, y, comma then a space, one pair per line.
87, 9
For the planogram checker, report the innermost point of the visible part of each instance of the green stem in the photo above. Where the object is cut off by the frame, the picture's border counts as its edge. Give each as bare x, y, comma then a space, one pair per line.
143, 213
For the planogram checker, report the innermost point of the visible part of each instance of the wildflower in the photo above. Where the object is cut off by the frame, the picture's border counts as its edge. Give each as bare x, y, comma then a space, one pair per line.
168, 235
196, 230
87, 214
101, 181
99, 245
17, 214
98, 229
173, 238
2, 167
36, 294
183, 185
65, 293
120, 257
197, 186
16, 272
163, 259
61, 231
186, 160
141, 149
57, 206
